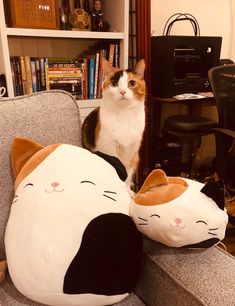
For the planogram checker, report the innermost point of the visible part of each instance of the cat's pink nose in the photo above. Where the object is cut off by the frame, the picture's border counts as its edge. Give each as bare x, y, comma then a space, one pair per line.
54, 184
123, 92
178, 221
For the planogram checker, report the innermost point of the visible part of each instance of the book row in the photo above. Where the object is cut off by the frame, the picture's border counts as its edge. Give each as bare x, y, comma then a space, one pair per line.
82, 77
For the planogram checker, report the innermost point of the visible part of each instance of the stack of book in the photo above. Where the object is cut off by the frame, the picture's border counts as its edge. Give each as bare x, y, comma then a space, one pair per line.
81, 76
66, 74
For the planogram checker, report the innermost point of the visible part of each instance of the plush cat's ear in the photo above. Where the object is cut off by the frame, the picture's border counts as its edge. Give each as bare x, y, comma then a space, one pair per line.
213, 191
21, 151
140, 68
116, 163
107, 68
155, 178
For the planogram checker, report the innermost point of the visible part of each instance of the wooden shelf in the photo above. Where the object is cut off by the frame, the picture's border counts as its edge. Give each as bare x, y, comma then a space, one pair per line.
63, 34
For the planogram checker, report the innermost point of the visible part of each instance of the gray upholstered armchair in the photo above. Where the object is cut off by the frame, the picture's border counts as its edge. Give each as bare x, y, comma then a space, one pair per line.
169, 277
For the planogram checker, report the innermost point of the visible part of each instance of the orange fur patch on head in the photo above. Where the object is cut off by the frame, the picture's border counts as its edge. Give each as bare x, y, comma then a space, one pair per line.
139, 87
159, 189
34, 161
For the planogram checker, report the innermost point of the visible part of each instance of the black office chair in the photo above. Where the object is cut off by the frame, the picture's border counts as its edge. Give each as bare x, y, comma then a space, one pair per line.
189, 129
222, 79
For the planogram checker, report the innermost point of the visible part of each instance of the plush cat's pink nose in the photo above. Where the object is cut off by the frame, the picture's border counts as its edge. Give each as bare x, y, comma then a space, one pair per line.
178, 221
122, 92
54, 184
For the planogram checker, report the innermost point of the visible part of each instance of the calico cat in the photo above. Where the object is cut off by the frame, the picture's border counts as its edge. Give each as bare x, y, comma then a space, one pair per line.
116, 127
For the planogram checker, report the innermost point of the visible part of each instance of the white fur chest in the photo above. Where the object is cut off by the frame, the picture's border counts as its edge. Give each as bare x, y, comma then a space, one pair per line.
122, 126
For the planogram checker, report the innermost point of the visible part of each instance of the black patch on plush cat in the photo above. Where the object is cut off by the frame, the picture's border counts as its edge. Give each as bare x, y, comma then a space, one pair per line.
116, 163
88, 129
109, 258
213, 191
204, 244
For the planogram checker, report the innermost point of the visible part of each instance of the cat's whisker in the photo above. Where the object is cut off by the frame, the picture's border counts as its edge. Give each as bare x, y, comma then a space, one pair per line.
142, 219
213, 229
109, 197
143, 224
213, 234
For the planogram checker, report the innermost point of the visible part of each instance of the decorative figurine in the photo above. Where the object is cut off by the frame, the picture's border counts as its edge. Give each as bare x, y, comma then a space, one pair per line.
98, 24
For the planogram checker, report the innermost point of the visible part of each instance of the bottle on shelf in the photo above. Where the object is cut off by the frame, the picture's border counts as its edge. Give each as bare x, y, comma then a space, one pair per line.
77, 4
64, 15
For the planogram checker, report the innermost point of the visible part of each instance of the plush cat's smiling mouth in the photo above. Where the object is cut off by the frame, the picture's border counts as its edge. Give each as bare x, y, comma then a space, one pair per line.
178, 224
54, 186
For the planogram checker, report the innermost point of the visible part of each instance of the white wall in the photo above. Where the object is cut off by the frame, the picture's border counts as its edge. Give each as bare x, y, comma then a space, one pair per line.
213, 16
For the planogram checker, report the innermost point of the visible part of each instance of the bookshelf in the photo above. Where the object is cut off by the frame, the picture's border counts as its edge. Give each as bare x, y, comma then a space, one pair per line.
62, 43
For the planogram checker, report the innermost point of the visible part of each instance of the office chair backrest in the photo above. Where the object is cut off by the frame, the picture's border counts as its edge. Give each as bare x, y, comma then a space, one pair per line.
222, 79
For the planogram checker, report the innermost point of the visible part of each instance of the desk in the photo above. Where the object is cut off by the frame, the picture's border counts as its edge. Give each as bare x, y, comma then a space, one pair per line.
194, 106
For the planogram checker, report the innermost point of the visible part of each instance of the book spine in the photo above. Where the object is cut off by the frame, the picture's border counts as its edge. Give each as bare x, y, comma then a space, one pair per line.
91, 77
42, 73
33, 75
116, 55
13, 75
111, 53
29, 86
38, 74
46, 74
100, 76
21, 90
97, 62
23, 74
85, 79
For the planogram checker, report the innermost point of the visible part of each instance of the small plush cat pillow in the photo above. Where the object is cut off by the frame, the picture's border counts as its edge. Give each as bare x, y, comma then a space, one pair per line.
69, 238
179, 212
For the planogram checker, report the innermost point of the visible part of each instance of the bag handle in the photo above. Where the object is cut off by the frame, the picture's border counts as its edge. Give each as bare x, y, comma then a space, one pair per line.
181, 17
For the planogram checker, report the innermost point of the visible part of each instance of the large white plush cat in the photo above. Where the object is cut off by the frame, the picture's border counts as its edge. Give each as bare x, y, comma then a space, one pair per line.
117, 126
180, 212
69, 238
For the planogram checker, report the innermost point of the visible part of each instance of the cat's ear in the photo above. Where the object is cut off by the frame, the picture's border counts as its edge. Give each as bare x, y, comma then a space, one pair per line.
213, 191
116, 163
107, 68
140, 68
21, 151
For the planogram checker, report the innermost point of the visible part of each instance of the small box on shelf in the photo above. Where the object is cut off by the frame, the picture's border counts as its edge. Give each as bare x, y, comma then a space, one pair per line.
33, 14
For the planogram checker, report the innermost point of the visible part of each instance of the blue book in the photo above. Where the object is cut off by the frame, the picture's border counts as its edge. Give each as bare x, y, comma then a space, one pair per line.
91, 77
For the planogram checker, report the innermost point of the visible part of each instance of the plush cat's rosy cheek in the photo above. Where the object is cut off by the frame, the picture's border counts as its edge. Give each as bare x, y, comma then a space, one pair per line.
54, 187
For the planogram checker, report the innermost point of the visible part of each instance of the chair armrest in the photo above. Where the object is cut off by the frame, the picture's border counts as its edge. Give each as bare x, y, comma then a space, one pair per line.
172, 276
226, 132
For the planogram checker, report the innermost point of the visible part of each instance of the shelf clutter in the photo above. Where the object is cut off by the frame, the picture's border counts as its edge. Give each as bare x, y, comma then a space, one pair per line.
82, 15
81, 76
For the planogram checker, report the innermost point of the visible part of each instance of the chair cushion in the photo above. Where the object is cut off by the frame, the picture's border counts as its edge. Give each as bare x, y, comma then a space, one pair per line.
9, 296
45, 117
189, 124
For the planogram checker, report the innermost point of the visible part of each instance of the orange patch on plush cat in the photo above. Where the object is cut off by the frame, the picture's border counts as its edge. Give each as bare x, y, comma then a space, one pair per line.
158, 189
26, 156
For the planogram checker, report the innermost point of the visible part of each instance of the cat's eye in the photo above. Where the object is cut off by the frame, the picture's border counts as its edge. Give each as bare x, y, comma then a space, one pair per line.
132, 83
114, 83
